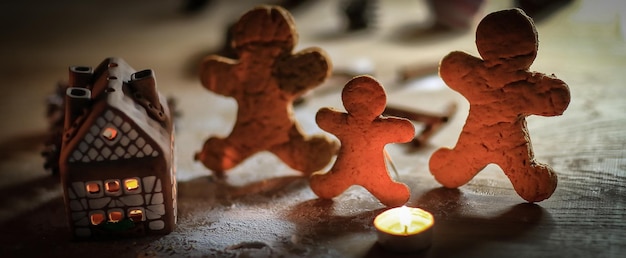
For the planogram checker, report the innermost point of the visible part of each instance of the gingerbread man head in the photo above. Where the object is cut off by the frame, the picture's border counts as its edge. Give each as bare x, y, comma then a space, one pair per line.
364, 97
507, 38
276, 30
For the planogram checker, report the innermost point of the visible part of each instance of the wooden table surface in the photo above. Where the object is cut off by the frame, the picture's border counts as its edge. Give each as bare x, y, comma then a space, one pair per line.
266, 209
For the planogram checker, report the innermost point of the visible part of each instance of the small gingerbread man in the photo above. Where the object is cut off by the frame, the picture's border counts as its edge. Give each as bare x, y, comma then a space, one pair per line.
363, 133
265, 81
502, 92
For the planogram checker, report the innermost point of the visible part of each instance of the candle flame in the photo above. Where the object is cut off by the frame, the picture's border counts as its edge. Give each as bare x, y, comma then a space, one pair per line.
405, 218
404, 221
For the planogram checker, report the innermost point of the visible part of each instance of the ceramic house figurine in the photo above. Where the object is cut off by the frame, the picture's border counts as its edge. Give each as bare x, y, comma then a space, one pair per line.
117, 155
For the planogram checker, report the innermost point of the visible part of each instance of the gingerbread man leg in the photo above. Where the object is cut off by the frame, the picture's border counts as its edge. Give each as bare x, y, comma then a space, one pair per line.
318, 151
533, 181
387, 192
328, 185
220, 154
455, 167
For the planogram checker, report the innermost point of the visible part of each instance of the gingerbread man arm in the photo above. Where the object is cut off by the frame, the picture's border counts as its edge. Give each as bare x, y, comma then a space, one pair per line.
302, 71
396, 129
456, 67
217, 75
330, 120
549, 96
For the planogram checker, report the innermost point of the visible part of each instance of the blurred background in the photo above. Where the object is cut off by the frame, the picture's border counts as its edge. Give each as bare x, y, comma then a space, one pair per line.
400, 42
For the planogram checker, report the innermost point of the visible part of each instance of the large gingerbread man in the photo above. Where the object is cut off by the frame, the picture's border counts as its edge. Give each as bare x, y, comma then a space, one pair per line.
265, 81
502, 92
363, 133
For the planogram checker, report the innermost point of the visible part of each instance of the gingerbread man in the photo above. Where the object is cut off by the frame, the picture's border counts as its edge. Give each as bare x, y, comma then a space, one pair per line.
265, 81
502, 92
363, 133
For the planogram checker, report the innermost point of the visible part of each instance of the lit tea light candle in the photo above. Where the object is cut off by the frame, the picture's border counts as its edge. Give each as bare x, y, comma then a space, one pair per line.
404, 229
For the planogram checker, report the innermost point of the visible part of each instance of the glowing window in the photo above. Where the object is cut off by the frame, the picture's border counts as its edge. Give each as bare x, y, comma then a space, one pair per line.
115, 216
112, 186
131, 184
109, 133
92, 188
135, 215
96, 218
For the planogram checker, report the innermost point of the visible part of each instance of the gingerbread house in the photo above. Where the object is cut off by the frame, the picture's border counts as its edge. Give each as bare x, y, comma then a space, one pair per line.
117, 155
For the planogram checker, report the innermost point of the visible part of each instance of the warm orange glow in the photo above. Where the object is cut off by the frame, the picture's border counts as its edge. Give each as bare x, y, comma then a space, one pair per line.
112, 186
109, 133
96, 218
115, 216
93, 188
135, 215
404, 221
404, 229
131, 184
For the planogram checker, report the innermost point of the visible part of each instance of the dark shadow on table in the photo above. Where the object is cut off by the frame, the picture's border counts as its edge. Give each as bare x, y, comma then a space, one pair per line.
18, 195
212, 189
43, 232
457, 234
28, 142
316, 219
31, 190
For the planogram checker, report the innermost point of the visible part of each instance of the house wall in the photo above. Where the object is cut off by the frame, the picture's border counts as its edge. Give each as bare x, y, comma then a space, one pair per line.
153, 197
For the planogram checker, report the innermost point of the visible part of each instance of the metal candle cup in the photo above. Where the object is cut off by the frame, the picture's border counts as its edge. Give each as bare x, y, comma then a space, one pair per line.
404, 229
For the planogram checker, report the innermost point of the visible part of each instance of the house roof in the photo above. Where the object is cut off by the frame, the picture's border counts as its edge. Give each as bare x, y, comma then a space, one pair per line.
136, 130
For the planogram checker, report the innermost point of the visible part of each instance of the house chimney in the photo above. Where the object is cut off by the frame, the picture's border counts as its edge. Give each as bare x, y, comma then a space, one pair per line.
143, 85
76, 99
80, 76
